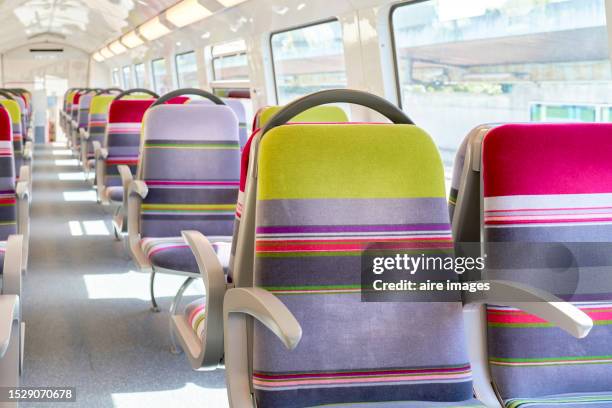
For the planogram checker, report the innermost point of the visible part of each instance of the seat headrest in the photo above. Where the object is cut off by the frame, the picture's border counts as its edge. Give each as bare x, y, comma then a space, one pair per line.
128, 110
100, 104
191, 122
537, 159
6, 130
318, 114
13, 109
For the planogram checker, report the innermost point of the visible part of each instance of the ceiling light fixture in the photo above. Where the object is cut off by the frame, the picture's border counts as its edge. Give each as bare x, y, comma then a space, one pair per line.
106, 53
153, 29
98, 57
131, 40
187, 12
230, 3
117, 48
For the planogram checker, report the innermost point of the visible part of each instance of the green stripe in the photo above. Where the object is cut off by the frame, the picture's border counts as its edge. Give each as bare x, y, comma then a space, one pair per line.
547, 359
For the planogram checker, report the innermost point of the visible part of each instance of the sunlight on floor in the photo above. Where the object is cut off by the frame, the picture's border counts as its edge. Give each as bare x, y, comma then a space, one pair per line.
135, 285
72, 176
67, 162
65, 152
75, 228
86, 195
97, 227
189, 395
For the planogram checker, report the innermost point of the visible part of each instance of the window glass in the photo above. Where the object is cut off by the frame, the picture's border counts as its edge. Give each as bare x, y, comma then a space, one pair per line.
606, 114
308, 59
160, 77
139, 73
187, 70
461, 64
127, 83
116, 79
230, 62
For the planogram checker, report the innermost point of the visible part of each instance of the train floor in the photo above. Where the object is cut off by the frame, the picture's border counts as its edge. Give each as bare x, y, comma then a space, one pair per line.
86, 307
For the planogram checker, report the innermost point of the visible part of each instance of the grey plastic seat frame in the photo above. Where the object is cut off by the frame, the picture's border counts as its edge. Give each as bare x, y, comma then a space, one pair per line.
242, 302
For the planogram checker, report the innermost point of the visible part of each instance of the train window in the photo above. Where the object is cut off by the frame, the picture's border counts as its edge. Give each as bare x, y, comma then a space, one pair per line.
230, 62
115, 77
461, 65
308, 59
158, 68
186, 70
139, 75
127, 83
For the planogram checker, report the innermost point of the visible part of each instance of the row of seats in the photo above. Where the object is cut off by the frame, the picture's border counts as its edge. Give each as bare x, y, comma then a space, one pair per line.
14, 228
276, 231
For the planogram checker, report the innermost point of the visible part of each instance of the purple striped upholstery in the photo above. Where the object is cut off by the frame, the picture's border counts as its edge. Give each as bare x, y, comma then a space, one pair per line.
190, 163
8, 210
317, 187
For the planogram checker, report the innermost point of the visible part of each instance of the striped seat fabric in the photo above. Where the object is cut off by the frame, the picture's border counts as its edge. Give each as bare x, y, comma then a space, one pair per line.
15, 114
195, 316
550, 184
317, 186
82, 119
190, 164
8, 202
123, 137
98, 119
319, 114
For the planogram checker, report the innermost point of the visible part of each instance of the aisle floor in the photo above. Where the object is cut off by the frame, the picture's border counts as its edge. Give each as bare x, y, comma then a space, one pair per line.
86, 308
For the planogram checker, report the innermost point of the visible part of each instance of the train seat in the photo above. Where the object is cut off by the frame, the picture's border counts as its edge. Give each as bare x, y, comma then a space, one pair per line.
307, 181
536, 190
96, 131
197, 312
187, 180
82, 122
121, 144
21, 155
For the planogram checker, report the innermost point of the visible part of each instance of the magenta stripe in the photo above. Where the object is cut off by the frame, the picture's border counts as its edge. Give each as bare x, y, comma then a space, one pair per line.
351, 228
191, 183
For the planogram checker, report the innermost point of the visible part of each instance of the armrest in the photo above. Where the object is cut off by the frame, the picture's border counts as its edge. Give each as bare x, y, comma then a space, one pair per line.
537, 302
137, 191
99, 152
215, 287
13, 260
74, 124
84, 133
100, 155
9, 312
24, 174
126, 180
22, 190
27, 151
268, 309
23, 219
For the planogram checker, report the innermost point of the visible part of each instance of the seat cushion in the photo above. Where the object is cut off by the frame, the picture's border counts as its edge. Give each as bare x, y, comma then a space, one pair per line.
195, 316
411, 404
591, 400
174, 254
115, 193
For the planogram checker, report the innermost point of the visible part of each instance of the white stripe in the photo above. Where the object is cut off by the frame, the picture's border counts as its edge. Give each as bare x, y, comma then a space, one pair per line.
550, 201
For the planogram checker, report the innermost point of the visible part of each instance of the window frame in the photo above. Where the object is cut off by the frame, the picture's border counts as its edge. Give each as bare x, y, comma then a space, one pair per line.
176, 65
137, 79
295, 28
396, 73
116, 79
126, 83
153, 76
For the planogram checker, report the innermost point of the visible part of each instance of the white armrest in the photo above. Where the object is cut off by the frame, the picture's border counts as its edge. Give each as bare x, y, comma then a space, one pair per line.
84, 133
9, 312
269, 310
23, 218
22, 190
100, 155
537, 302
126, 180
27, 151
24, 174
137, 191
215, 287
74, 124
13, 260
